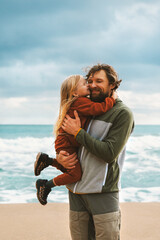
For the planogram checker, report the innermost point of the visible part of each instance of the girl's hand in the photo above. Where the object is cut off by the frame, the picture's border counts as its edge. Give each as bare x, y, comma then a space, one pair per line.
71, 125
66, 160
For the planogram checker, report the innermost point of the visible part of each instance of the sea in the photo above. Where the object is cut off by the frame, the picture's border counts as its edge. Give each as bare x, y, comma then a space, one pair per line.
19, 145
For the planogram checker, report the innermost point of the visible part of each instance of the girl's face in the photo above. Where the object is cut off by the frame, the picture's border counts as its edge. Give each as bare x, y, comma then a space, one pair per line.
82, 88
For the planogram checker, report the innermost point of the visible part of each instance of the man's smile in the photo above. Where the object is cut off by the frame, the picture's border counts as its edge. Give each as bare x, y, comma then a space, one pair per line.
95, 90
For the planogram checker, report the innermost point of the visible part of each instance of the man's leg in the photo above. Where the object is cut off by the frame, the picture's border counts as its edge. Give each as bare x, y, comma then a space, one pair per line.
81, 222
107, 226
106, 214
91, 229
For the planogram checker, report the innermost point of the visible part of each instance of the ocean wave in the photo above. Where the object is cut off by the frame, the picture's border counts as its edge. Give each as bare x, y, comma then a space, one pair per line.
126, 195
141, 144
140, 176
27, 196
133, 194
26, 145
135, 145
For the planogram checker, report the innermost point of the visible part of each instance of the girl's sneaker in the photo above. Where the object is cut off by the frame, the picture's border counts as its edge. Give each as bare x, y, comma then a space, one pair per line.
42, 161
42, 191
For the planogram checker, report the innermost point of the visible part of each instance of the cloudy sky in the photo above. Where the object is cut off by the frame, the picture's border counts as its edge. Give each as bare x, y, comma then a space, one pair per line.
42, 42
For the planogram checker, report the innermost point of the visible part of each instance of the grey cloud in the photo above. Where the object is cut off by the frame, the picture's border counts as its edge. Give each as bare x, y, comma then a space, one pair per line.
70, 35
68, 30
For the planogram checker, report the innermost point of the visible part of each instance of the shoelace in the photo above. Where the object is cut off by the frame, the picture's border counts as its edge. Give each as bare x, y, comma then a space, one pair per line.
41, 166
44, 192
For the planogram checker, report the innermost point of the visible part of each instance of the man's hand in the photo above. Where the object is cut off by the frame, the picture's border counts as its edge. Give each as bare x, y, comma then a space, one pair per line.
66, 160
71, 125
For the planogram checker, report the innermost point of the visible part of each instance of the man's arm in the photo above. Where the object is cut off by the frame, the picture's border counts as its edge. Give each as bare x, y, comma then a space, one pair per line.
112, 144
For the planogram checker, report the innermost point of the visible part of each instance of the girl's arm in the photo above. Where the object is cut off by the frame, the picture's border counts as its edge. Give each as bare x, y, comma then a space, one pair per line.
89, 108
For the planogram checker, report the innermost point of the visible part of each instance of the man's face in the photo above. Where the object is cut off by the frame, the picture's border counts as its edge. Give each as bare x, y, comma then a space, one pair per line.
99, 86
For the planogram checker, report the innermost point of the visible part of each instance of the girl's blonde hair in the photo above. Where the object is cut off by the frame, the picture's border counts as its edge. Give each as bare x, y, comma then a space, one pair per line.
68, 88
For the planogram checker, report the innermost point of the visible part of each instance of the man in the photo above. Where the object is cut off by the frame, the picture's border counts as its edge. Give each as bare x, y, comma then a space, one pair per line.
96, 195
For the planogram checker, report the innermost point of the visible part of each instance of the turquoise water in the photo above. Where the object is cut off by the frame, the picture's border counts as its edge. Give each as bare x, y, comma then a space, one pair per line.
15, 131
40, 131
19, 145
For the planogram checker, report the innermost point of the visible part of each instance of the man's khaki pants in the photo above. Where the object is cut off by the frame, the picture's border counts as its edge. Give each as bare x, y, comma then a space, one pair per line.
103, 208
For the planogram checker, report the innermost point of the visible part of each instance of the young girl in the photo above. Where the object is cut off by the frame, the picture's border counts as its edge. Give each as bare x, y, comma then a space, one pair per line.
74, 92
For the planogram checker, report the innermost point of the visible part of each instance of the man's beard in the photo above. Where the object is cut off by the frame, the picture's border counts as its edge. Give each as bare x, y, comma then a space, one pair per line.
100, 97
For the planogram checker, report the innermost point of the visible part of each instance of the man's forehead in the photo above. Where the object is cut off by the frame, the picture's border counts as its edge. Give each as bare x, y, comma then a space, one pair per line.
93, 77
98, 75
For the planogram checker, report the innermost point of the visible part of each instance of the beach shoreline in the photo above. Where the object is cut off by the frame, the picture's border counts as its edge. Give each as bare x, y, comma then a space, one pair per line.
140, 221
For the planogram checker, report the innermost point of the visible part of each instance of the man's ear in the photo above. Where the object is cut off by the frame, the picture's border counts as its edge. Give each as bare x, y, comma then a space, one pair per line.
113, 86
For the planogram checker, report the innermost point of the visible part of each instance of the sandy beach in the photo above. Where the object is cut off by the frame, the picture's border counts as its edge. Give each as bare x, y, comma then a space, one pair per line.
32, 221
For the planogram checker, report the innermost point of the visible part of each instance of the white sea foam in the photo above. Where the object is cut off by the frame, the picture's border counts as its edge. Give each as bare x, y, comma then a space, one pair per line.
26, 145
26, 196
143, 154
140, 194
142, 143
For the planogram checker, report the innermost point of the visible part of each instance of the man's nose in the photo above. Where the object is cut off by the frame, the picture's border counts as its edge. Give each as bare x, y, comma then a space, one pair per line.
92, 85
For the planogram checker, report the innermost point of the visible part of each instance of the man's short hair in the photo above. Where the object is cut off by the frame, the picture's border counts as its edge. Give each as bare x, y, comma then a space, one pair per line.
110, 73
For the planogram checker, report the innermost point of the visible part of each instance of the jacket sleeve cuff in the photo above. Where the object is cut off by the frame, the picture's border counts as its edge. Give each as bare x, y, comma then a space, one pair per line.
77, 132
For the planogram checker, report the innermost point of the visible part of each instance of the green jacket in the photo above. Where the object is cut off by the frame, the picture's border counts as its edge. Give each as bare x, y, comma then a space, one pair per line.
103, 150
